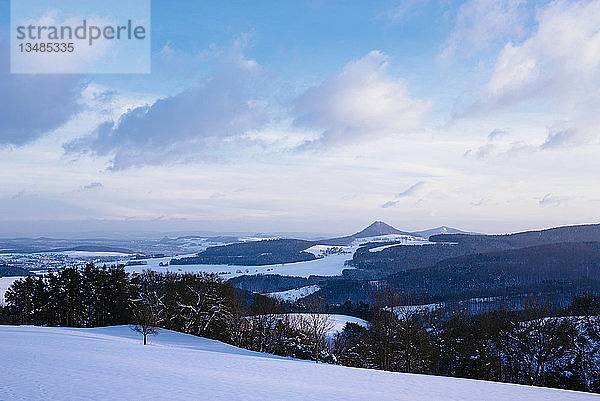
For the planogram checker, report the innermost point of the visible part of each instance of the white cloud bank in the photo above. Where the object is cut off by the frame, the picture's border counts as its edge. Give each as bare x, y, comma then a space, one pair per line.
363, 100
558, 66
483, 23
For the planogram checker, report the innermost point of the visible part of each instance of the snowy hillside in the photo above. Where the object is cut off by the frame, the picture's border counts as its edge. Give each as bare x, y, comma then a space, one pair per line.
110, 363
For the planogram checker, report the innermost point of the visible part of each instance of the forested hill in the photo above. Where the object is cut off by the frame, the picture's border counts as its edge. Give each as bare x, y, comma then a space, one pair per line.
566, 264
396, 258
483, 243
255, 253
12, 271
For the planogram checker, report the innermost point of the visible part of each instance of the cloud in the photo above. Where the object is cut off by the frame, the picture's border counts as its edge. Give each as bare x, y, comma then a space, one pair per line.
183, 126
561, 136
92, 186
559, 62
482, 23
404, 10
563, 54
479, 202
484, 151
362, 101
551, 72
32, 105
404, 194
490, 147
497, 133
389, 204
551, 200
411, 190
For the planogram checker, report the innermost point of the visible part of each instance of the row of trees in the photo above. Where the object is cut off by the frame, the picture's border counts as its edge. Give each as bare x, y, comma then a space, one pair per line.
87, 297
527, 347
198, 304
93, 296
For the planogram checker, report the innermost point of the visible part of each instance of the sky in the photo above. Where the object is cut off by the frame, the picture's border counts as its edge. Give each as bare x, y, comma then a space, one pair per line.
315, 116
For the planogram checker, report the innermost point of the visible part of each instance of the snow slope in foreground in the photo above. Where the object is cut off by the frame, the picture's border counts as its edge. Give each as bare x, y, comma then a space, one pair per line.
111, 363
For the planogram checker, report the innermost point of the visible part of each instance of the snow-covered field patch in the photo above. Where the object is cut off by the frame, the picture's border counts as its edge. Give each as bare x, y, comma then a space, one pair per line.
405, 241
42, 363
325, 250
399, 310
337, 322
91, 254
295, 294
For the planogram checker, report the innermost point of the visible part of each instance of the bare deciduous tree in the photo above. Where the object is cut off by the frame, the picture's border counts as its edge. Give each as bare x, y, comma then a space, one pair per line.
145, 320
317, 323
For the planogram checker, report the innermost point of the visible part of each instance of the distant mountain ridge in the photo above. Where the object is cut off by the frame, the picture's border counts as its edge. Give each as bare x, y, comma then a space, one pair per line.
378, 228
483, 243
441, 230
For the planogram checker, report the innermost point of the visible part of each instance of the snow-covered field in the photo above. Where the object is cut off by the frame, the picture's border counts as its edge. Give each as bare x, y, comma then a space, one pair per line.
399, 310
338, 322
295, 294
331, 265
327, 266
42, 363
401, 241
90, 254
6, 282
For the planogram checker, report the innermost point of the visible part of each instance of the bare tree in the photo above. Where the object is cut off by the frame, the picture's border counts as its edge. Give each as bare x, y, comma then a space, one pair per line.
317, 323
413, 349
384, 325
266, 312
542, 341
238, 316
145, 320
146, 308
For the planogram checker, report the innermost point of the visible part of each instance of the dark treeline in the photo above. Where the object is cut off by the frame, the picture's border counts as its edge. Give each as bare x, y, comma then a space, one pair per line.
252, 253
94, 296
87, 297
399, 258
483, 243
198, 304
529, 347
535, 346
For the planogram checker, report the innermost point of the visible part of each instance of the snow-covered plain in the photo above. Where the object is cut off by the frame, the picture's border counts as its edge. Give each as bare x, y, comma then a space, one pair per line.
84, 254
42, 363
5, 283
338, 322
295, 294
328, 266
405, 242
